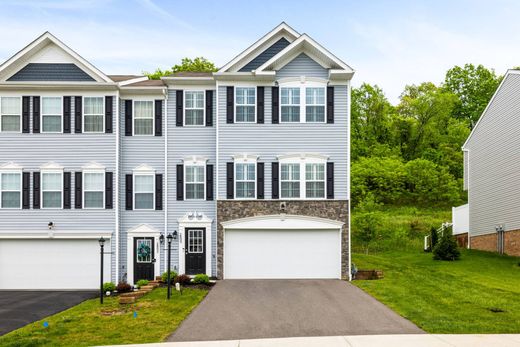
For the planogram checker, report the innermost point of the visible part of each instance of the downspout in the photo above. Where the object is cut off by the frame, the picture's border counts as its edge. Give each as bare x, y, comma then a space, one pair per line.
118, 179
217, 164
348, 185
165, 92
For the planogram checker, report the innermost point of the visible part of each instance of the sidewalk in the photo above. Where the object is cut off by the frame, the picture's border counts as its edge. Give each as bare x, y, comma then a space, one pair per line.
412, 340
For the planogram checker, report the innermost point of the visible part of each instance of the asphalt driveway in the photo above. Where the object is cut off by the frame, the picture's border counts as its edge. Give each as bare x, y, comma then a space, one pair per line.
248, 309
19, 308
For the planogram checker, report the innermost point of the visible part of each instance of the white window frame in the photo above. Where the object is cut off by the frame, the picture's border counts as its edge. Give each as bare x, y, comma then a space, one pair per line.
147, 240
152, 174
202, 231
303, 99
83, 190
236, 104
304, 165
196, 164
19, 173
20, 115
302, 160
133, 117
85, 114
291, 105
184, 108
45, 171
324, 103
42, 115
244, 159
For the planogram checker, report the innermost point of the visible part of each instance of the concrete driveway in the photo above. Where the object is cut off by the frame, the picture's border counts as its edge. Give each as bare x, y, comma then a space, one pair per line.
249, 309
19, 308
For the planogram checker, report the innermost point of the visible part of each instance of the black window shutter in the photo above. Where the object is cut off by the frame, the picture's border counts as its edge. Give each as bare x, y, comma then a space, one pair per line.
209, 108
36, 190
109, 113
78, 114
66, 114
275, 102
275, 181
109, 190
78, 190
259, 180
26, 178
180, 182
36, 116
66, 190
158, 117
260, 105
128, 117
209, 182
26, 102
158, 191
230, 180
179, 105
330, 105
230, 105
330, 180
129, 192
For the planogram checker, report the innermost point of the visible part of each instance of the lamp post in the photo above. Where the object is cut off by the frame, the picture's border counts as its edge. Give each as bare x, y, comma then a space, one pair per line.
102, 252
170, 237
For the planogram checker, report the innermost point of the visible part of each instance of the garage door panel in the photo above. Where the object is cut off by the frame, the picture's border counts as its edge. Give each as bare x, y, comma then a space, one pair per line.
282, 254
51, 264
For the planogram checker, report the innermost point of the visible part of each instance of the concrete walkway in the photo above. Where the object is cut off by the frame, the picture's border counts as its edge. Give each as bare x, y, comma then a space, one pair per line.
422, 340
253, 309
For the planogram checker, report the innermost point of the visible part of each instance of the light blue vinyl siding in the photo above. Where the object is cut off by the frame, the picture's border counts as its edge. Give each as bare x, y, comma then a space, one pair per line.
184, 142
302, 65
270, 140
135, 151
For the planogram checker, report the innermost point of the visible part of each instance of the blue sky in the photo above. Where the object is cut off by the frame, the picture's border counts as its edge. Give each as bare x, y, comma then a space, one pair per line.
389, 43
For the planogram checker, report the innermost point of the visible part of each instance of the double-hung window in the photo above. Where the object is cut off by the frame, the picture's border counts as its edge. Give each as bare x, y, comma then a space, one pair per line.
290, 180
93, 189
290, 104
143, 118
245, 180
315, 104
194, 108
51, 114
195, 181
144, 191
93, 114
52, 189
315, 180
245, 103
11, 189
10, 114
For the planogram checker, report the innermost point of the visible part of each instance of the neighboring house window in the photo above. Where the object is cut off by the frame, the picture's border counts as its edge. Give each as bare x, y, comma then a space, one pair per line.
290, 104
290, 180
93, 189
245, 102
315, 180
11, 189
194, 108
143, 118
52, 189
93, 115
315, 105
195, 181
51, 114
245, 180
144, 191
10, 114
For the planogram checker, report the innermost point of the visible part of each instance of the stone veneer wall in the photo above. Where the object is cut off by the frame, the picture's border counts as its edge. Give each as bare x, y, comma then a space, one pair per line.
489, 242
329, 209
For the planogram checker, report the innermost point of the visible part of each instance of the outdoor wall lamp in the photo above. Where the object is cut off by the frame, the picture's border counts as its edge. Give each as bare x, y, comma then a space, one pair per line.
50, 225
161, 239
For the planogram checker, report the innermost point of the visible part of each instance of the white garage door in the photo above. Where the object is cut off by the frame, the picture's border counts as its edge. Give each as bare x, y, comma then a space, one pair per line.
282, 254
52, 264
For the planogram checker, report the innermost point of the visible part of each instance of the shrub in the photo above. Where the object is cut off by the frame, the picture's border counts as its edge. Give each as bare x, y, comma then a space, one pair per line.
201, 279
108, 287
367, 222
123, 287
434, 238
446, 248
164, 276
182, 279
141, 283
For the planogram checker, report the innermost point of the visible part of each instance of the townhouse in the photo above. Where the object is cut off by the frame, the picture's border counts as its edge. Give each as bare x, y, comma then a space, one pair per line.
247, 167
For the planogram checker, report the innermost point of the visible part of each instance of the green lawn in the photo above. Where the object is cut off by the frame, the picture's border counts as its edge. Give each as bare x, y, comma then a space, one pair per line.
448, 297
90, 323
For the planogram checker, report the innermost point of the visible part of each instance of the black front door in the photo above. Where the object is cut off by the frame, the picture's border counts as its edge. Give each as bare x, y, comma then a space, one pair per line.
144, 258
195, 251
